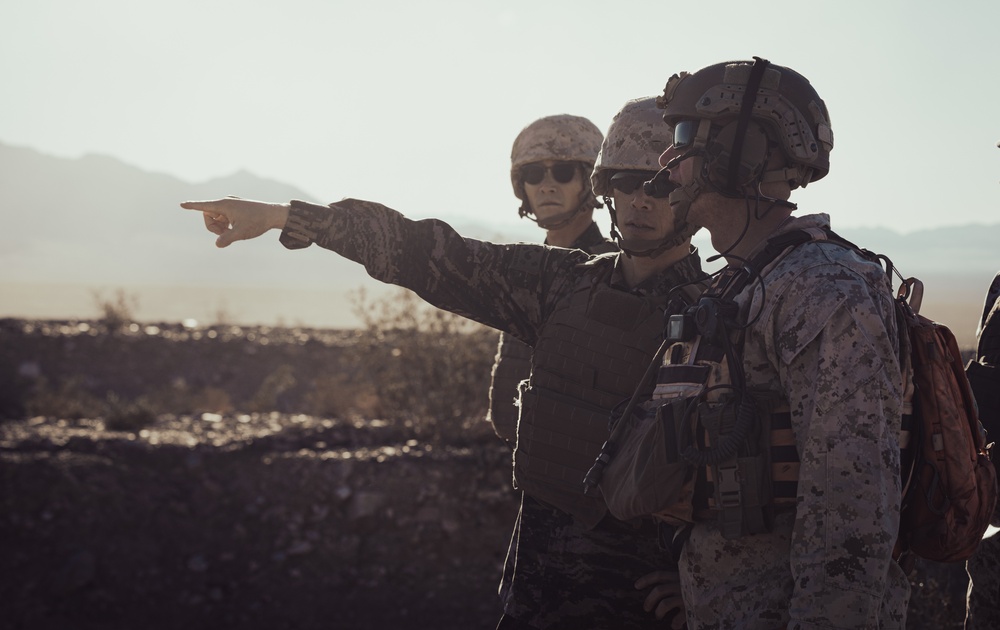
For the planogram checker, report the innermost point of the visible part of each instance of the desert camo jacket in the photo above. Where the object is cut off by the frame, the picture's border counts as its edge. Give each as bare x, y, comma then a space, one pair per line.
822, 335
513, 360
560, 574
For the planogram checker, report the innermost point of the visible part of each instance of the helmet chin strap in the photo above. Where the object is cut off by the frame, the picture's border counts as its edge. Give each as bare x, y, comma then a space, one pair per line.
560, 220
647, 248
682, 196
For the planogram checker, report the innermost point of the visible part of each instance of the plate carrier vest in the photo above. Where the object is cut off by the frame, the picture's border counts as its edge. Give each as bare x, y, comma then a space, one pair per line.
513, 361
742, 474
590, 355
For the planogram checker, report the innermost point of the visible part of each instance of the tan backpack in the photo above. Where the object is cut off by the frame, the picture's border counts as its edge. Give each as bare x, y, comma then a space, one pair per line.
951, 484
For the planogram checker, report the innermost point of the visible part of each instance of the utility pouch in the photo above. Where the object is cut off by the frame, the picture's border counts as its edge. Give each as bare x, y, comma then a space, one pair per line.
741, 482
646, 475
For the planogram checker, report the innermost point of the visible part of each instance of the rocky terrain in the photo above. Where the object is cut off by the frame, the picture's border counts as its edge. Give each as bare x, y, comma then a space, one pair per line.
163, 476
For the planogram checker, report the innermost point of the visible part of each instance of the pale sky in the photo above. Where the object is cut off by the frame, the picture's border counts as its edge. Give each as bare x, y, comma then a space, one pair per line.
416, 104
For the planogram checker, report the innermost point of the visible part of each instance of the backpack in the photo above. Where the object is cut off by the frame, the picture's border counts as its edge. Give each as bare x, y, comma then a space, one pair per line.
950, 484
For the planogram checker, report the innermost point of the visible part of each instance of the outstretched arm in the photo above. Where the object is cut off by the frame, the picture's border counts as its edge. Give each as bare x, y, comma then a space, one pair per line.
234, 219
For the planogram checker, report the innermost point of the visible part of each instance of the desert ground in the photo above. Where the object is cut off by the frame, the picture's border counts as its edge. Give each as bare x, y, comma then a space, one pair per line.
166, 476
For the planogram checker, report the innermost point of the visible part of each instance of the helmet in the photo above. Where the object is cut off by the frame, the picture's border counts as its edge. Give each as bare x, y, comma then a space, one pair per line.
636, 138
560, 137
785, 108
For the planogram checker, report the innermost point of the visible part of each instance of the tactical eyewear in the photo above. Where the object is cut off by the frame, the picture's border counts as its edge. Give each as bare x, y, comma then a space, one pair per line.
684, 133
562, 172
628, 181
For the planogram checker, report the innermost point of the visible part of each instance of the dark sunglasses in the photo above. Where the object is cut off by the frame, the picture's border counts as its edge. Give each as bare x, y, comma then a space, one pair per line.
562, 172
628, 181
684, 133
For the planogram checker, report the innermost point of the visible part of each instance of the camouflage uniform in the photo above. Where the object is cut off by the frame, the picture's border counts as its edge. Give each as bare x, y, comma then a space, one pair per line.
564, 575
822, 336
984, 566
513, 360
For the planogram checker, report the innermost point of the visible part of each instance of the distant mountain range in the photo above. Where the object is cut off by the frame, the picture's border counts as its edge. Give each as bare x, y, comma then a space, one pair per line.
75, 226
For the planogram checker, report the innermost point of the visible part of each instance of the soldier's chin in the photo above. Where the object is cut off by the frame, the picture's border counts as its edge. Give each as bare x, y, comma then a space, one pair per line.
548, 212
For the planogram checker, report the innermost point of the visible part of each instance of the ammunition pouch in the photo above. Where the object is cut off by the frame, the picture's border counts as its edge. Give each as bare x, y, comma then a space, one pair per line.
741, 496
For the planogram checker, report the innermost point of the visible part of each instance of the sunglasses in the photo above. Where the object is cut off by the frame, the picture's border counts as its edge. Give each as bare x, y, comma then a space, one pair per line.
684, 133
562, 172
628, 181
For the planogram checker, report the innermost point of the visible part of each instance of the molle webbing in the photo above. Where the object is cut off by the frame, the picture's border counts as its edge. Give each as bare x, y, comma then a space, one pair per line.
784, 465
598, 357
590, 356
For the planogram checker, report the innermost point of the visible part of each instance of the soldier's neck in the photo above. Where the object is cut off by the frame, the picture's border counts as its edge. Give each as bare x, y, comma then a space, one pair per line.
638, 269
568, 234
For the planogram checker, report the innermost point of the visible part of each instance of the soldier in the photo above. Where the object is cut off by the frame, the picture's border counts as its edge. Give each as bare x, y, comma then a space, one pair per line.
593, 322
784, 381
983, 609
545, 161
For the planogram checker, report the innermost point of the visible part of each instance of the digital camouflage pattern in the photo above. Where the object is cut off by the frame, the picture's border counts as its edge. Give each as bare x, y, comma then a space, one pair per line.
513, 360
635, 139
513, 288
984, 565
560, 137
822, 336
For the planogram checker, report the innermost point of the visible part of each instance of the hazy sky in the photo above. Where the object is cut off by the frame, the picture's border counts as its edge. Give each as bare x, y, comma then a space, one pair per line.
416, 104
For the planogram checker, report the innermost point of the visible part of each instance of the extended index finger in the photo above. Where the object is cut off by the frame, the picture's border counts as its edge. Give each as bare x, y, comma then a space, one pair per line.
205, 206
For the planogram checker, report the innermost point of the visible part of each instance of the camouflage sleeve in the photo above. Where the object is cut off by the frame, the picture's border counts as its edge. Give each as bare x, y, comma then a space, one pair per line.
507, 287
833, 343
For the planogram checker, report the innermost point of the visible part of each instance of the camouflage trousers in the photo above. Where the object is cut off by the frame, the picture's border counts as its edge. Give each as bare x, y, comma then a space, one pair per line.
561, 575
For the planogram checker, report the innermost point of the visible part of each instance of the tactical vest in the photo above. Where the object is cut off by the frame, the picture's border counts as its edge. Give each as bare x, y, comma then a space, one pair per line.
513, 360
694, 396
511, 367
743, 445
590, 355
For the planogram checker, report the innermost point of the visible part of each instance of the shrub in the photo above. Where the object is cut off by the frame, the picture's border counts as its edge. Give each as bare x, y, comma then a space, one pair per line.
127, 415
116, 312
68, 400
430, 368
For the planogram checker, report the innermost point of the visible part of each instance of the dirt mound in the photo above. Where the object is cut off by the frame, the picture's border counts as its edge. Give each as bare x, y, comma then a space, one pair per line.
268, 520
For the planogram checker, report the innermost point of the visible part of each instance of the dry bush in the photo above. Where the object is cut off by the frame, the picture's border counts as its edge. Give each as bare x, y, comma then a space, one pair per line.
67, 400
127, 415
279, 381
430, 369
338, 395
118, 311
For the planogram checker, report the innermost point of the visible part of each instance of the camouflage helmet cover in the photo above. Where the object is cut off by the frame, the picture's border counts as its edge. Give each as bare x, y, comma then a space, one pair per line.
787, 106
636, 138
560, 137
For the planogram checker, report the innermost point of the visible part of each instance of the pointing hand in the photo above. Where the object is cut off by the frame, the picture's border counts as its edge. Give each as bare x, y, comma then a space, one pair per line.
234, 219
